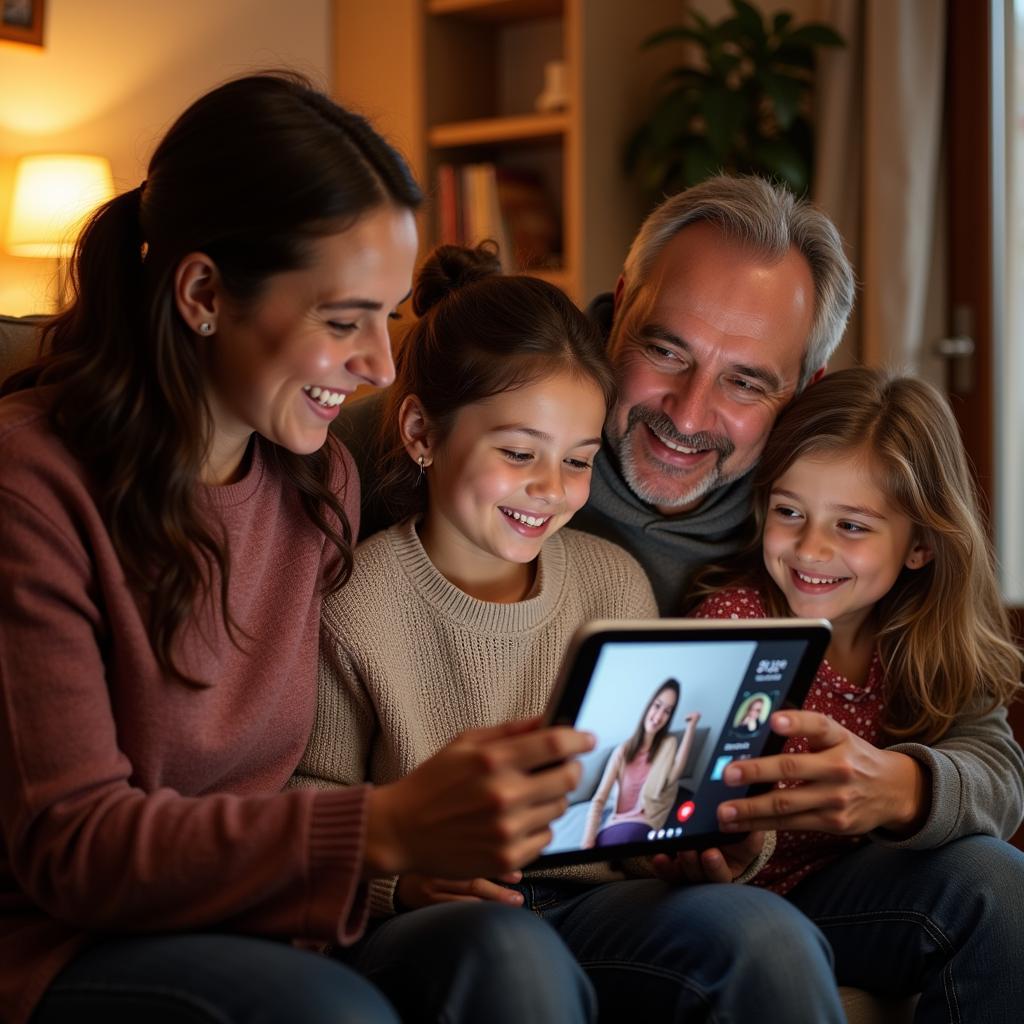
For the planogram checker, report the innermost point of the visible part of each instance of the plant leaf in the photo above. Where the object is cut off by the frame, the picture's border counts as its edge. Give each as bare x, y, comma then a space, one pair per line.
699, 163
701, 20
721, 64
749, 18
723, 111
794, 56
778, 159
672, 117
785, 94
781, 21
815, 34
635, 147
674, 32
685, 78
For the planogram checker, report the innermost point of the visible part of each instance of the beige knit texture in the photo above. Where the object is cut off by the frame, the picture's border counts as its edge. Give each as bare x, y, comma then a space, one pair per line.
408, 661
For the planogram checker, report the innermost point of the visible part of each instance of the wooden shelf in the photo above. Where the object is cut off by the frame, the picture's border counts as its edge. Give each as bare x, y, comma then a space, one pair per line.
496, 10
520, 128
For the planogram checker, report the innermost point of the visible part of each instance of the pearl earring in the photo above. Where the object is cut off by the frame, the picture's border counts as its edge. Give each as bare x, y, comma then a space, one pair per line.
206, 327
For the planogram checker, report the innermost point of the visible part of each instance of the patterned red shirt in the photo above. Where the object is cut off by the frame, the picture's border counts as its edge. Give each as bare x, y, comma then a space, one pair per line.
858, 708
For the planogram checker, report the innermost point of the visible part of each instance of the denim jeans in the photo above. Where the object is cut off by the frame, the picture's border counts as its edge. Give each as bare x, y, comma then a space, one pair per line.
459, 963
732, 954
209, 979
475, 963
948, 923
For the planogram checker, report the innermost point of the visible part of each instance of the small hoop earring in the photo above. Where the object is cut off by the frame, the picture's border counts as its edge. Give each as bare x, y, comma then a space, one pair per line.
206, 327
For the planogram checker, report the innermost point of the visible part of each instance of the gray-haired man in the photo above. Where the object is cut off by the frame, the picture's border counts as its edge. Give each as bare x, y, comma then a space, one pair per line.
733, 296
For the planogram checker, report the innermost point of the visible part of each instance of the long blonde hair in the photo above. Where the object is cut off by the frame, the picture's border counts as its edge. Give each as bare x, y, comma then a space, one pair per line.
944, 637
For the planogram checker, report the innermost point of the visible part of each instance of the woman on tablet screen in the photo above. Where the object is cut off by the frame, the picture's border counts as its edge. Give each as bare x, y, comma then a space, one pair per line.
647, 768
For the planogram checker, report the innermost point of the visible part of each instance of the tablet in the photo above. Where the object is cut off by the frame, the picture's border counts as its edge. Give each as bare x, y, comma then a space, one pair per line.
672, 702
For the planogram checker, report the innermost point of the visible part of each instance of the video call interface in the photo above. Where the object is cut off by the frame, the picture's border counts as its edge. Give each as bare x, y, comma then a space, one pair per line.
732, 685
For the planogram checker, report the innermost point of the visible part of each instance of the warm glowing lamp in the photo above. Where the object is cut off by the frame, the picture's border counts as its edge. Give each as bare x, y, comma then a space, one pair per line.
53, 194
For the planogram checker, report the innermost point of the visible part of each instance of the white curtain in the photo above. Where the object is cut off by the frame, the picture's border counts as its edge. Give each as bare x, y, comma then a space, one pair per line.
879, 174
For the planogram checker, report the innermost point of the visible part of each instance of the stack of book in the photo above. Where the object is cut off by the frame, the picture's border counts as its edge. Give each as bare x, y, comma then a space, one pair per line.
477, 202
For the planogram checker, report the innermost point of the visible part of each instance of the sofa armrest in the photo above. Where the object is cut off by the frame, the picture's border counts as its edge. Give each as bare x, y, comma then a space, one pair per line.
19, 342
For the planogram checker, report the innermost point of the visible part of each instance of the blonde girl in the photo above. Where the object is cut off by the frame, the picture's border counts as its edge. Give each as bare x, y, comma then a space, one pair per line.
901, 772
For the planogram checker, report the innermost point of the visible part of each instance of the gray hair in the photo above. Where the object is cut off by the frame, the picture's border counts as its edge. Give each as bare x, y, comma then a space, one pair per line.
771, 220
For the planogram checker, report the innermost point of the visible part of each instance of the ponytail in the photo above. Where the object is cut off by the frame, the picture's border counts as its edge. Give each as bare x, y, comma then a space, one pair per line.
128, 386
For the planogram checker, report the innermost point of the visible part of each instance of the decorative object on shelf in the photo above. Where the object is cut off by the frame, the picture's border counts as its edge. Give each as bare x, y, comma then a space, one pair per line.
53, 194
21, 21
555, 95
743, 108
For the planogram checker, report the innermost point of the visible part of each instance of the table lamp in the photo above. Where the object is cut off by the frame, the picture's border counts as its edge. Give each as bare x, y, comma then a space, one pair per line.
53, 194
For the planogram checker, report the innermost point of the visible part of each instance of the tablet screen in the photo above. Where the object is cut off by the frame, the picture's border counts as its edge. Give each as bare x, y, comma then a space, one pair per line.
671, 704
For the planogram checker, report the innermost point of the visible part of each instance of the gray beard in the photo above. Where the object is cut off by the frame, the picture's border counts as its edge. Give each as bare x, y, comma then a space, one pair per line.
659, 494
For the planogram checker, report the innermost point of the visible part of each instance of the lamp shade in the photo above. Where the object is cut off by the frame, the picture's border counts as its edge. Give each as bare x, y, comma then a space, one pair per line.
53, 194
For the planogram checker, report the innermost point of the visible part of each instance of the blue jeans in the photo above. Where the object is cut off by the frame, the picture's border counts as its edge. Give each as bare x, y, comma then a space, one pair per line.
457, 962
664, 953
948, 923
474, 963
209, 979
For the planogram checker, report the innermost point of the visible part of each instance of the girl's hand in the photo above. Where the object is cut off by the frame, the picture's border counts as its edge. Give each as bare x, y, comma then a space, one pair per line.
415, 891
850, 787
710, 865
481, 806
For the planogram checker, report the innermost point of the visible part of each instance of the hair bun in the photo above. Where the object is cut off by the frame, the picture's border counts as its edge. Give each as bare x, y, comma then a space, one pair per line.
450, 267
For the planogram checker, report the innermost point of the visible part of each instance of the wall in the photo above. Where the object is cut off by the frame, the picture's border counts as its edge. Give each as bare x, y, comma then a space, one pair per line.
115, 73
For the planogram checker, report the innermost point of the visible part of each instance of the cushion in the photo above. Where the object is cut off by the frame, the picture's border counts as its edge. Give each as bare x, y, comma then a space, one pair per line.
19, 340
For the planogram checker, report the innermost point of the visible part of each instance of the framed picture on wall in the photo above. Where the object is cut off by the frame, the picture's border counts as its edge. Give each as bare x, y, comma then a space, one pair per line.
21, 21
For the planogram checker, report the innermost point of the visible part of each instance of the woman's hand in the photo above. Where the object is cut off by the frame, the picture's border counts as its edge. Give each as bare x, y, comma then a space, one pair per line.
415, 891
850, 787
481, 806
711, 865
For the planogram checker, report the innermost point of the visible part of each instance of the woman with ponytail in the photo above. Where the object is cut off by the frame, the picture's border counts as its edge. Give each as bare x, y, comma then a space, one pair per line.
172, 512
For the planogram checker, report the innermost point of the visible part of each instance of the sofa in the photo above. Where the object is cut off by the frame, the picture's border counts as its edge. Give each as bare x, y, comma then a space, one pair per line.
18, 346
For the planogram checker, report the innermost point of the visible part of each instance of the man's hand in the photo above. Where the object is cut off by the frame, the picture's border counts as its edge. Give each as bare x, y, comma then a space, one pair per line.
850, 787
480, 807
710, 865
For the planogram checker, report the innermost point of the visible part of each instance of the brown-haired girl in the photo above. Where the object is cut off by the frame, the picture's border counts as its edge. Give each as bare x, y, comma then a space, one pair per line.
171, 513
459, 615
900, 772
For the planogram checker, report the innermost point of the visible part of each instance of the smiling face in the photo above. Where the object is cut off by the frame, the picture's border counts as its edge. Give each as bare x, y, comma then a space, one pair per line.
660, 712
833, 543
707, 355
283, 366
512, 471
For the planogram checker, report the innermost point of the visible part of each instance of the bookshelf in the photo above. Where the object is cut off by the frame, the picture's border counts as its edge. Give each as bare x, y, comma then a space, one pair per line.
491, 130
454, 83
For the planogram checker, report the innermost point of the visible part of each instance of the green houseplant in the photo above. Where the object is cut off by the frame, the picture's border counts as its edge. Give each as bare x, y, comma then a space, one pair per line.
742, 107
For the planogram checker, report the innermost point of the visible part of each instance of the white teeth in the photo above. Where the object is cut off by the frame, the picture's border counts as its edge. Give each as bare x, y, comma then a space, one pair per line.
678, 447
323, 396
529, 520
818, 579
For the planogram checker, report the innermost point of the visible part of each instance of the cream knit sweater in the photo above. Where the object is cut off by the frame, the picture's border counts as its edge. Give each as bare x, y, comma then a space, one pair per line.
408, 661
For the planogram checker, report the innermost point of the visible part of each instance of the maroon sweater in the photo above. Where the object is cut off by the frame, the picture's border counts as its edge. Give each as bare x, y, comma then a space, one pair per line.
131, 802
